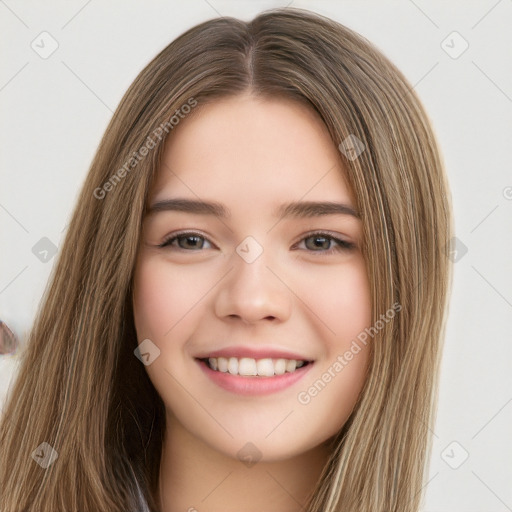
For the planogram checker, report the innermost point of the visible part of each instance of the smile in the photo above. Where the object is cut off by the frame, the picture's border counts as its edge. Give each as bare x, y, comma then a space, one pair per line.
249, 376
249, 367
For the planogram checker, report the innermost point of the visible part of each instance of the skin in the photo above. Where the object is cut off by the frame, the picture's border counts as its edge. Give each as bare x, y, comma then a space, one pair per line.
251, 155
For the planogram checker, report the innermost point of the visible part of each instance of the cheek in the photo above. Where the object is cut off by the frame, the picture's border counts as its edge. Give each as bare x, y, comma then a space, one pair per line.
165, 298
343, 305
342, 301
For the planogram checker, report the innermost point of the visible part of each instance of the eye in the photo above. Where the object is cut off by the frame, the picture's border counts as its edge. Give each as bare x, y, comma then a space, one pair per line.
186, 241
321, 242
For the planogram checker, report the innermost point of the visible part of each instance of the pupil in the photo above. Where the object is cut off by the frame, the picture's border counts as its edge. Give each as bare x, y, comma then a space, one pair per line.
192, 240
321, 242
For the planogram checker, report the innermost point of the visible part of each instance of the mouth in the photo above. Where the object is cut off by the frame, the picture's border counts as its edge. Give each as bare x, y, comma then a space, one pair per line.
249, 367
254, 377
256, 371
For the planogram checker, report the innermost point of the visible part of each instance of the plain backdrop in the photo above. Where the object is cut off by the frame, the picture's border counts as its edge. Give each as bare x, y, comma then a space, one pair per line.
65, 67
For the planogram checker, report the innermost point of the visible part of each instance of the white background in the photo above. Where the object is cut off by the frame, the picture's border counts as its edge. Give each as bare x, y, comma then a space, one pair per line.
55, 110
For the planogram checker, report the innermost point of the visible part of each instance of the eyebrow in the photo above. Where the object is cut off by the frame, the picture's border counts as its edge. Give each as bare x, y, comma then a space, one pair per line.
296, 209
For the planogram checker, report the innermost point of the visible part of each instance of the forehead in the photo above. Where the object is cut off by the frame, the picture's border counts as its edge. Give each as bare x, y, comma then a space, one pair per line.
247, 149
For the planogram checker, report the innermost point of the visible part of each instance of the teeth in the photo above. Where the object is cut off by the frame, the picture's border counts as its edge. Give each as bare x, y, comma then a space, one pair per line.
247, 366
265, 367
280, 367
222, 364
233, 366
291, 365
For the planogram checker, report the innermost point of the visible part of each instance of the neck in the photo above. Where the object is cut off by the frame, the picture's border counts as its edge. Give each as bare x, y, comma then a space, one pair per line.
194, 477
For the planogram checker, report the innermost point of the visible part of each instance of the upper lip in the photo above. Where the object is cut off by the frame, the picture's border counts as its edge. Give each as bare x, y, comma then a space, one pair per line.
253, 353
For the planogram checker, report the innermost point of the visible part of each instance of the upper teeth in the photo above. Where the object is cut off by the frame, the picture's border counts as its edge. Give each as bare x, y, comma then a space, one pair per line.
248, 366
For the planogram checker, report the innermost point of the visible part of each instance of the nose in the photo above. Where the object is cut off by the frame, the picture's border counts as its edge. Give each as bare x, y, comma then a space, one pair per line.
254, 291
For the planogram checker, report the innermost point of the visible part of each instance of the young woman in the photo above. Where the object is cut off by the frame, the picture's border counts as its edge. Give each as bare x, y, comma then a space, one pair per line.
248, 309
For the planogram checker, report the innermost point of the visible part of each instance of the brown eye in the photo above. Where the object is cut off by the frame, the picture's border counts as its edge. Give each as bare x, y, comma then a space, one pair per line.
186, 241
318, 242
323, 243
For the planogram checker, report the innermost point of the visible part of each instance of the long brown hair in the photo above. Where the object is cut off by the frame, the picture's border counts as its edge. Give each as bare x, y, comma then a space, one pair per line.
81, 390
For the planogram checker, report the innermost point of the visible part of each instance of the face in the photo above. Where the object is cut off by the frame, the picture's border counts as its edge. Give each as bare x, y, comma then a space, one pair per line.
251, 306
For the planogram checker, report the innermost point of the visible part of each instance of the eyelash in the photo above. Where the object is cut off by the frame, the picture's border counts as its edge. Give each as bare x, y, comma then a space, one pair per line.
342, 245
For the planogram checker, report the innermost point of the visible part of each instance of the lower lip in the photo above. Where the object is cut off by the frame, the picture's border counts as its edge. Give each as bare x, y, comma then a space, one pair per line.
254, 385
